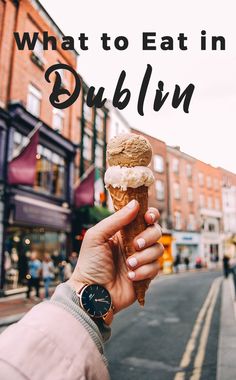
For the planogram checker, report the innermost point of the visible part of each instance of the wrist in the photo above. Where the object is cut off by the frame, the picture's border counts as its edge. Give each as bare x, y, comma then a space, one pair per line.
76, 285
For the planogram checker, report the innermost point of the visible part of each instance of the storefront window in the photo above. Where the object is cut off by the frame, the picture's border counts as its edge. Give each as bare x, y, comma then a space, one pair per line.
20, 242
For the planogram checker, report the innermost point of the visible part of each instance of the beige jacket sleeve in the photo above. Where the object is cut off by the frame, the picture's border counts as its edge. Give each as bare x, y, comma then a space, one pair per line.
50, 343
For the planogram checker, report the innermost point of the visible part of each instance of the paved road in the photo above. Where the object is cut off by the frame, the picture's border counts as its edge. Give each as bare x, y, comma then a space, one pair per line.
153, 343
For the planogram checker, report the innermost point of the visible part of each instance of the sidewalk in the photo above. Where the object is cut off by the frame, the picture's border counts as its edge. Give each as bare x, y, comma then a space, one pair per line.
226, 362
13, 308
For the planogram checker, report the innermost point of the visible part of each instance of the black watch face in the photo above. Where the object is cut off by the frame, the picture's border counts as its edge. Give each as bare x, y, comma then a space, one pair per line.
96, 300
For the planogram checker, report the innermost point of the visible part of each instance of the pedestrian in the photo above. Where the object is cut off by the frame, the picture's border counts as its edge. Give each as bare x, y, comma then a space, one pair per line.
226, 266
73, 259
198, 262
186, 262
67, 270
63, 338
47, 272
177, 262
33, 276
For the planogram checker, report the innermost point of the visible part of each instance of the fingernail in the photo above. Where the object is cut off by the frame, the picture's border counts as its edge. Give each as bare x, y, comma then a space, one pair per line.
132, 262
131, 204
131, 275
153, 217
141, 243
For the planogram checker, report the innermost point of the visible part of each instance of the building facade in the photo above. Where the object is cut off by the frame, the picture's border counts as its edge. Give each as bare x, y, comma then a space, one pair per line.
209, 212
183, 205
158, 195
228, 183
38, 217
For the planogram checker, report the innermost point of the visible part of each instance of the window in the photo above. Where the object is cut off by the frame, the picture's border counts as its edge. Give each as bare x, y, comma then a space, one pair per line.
99, 156
209, 202
201, 200
190, 194
191, 222
209, 183
211, 227
87, 147
99, 121
38, 50
176, 190
178, 223
50, 172
34, 100
158, 163
19, 141
175, 165
58, 120
160, 190
189, 170
50, 168
61, 72
217, 204
87, 112
201, 179
216, 184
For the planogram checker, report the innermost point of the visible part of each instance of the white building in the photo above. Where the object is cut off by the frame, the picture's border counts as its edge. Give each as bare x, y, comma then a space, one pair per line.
229, 219
118, 124
211, 241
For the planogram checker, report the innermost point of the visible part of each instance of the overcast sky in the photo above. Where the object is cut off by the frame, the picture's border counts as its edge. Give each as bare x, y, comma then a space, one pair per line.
208, 132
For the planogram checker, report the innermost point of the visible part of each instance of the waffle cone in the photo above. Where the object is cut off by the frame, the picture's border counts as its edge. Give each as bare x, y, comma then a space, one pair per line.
120, 199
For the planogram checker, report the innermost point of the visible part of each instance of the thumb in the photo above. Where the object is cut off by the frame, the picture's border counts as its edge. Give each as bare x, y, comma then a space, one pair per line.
109, 226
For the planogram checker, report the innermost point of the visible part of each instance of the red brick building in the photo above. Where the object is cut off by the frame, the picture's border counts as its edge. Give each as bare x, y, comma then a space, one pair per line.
209, 193
183, 204
70, 140
158, 193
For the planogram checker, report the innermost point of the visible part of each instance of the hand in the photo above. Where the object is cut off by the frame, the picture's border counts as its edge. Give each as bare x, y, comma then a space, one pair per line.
102, 258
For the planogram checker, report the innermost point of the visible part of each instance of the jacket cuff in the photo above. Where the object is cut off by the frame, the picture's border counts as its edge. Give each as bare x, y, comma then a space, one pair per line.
66, 297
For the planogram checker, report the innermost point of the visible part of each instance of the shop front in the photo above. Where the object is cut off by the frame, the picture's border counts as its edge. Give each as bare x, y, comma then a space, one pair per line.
166, 261
186, 245
37, 218
3, 132
33, 225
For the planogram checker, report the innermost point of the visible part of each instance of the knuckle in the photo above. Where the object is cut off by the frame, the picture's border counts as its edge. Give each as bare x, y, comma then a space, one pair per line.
161, 248
158, 229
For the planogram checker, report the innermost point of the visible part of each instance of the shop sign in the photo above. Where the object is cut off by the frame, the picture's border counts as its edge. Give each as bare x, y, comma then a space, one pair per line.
187, 238
34, 215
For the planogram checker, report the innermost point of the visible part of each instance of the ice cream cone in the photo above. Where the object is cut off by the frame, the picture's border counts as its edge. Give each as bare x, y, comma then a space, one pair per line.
121, 198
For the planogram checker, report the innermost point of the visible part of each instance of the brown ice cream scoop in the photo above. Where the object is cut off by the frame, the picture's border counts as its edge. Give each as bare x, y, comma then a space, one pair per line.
129, 150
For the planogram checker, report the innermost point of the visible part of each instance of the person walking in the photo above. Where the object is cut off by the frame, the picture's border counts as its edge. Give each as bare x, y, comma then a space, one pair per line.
73, 259
67, 270
33, 276
177, 262
226, 266
186, 262
47, 273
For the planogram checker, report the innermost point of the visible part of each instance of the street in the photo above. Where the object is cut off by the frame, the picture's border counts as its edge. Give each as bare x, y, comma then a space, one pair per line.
154, 342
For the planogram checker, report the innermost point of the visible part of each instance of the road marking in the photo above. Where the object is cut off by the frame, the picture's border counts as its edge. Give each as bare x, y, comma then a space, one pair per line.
199, 359
186, 358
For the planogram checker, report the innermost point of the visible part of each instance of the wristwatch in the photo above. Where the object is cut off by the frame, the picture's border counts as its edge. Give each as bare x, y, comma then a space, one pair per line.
95, 300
